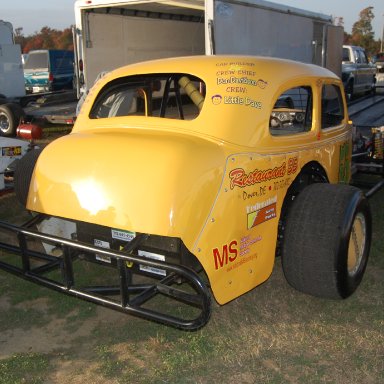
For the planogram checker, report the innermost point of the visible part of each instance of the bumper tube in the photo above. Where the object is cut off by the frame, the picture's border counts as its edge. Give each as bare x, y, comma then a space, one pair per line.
191, 296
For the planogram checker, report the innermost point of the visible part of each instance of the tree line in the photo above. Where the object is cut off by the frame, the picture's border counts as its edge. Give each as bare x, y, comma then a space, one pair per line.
48, 38
362, 32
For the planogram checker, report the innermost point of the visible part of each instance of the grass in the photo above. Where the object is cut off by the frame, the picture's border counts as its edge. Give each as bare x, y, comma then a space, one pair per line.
24, 368
272, 334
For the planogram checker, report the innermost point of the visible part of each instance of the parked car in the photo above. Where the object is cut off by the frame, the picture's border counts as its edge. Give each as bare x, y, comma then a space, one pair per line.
378, 60
358, 73
48, 70
186, 177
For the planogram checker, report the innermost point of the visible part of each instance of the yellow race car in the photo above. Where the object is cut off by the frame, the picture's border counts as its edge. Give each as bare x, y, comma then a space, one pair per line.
187, 177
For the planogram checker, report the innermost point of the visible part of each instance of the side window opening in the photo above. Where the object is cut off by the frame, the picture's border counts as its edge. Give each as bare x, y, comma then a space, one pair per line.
172, 96
292, 112
332, 107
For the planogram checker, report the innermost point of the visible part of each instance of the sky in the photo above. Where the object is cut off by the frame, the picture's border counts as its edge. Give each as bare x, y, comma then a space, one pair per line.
59, 14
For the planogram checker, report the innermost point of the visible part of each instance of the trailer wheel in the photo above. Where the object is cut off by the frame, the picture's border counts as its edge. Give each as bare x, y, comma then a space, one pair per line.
10, 116
23, 174
327, 240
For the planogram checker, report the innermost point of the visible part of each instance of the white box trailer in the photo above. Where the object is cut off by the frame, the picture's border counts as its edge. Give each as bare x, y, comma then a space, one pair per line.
115, 33
6, 32
11, 68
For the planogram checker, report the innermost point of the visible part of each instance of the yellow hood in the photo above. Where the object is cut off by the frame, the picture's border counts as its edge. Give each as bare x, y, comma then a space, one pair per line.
148, 181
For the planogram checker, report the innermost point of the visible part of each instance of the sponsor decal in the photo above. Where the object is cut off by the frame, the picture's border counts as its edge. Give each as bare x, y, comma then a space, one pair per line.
233, 80
233, 254
235, 65
256, 207
102, 244
246, 242
226, 255
261, 216
246, 101
11, 151
123, 235
153, 256
242, 261
239, 178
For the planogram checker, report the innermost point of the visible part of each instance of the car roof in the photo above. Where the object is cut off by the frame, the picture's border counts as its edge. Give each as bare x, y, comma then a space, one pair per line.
266, 77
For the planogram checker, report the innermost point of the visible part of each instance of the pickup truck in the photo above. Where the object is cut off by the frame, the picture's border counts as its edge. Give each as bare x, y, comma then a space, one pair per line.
358, 74
378, 60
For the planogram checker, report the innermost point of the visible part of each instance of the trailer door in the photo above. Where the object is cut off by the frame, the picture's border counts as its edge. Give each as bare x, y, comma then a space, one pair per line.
134, 32
247, 28
333, 48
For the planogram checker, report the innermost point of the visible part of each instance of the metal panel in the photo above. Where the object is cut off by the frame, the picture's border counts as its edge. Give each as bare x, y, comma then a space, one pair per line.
253, 30
115, 40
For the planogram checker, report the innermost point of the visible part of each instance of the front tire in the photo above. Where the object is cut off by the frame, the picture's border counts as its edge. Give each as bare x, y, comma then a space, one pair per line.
327, 240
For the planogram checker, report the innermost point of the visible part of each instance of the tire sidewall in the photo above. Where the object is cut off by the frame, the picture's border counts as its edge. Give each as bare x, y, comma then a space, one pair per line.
316, 240
347, 282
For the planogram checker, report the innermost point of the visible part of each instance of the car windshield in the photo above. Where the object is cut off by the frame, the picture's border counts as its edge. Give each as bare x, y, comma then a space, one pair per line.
174, 96
37, 60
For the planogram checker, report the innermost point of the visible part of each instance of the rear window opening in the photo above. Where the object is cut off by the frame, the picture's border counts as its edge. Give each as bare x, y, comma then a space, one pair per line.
172, 96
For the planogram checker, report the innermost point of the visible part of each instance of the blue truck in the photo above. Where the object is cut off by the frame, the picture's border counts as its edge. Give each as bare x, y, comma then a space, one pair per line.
49, 70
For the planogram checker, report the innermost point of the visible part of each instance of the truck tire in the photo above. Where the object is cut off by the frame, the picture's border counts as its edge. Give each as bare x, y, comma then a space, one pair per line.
349, 91
10, 116
23, 174
327, 240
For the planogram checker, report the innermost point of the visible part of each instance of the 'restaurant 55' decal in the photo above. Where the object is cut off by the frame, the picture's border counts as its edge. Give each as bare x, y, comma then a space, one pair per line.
239, 178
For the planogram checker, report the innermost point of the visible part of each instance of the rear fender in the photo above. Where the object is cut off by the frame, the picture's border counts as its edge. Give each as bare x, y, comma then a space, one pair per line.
157, 183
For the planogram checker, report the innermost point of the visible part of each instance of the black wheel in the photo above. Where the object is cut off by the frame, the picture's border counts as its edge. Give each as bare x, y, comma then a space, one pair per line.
10, 116
327, 240
23, 174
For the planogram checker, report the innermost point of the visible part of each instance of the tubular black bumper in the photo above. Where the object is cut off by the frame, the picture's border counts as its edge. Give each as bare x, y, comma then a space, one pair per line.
190, 299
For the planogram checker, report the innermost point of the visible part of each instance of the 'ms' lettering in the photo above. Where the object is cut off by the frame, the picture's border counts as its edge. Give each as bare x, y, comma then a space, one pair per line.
228, 254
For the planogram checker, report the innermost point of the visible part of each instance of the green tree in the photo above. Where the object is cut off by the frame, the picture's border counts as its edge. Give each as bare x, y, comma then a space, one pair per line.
362, 32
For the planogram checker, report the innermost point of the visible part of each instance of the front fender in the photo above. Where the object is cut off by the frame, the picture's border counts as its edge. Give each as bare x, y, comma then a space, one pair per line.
152, 182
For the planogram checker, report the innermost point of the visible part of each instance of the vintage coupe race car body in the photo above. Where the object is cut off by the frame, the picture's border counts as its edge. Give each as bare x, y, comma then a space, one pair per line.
206, 157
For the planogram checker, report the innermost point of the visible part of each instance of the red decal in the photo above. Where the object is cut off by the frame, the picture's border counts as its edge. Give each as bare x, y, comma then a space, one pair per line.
228, 254
240, 179
292, 165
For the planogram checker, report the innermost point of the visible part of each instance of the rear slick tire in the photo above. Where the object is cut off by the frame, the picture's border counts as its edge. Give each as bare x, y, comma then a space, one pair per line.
327, 240
23, 175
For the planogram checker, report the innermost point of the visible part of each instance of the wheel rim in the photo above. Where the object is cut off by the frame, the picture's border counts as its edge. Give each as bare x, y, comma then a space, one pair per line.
4, 123
356, 245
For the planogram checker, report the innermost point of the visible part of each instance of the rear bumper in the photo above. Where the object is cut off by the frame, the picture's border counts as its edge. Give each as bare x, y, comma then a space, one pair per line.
124, 291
